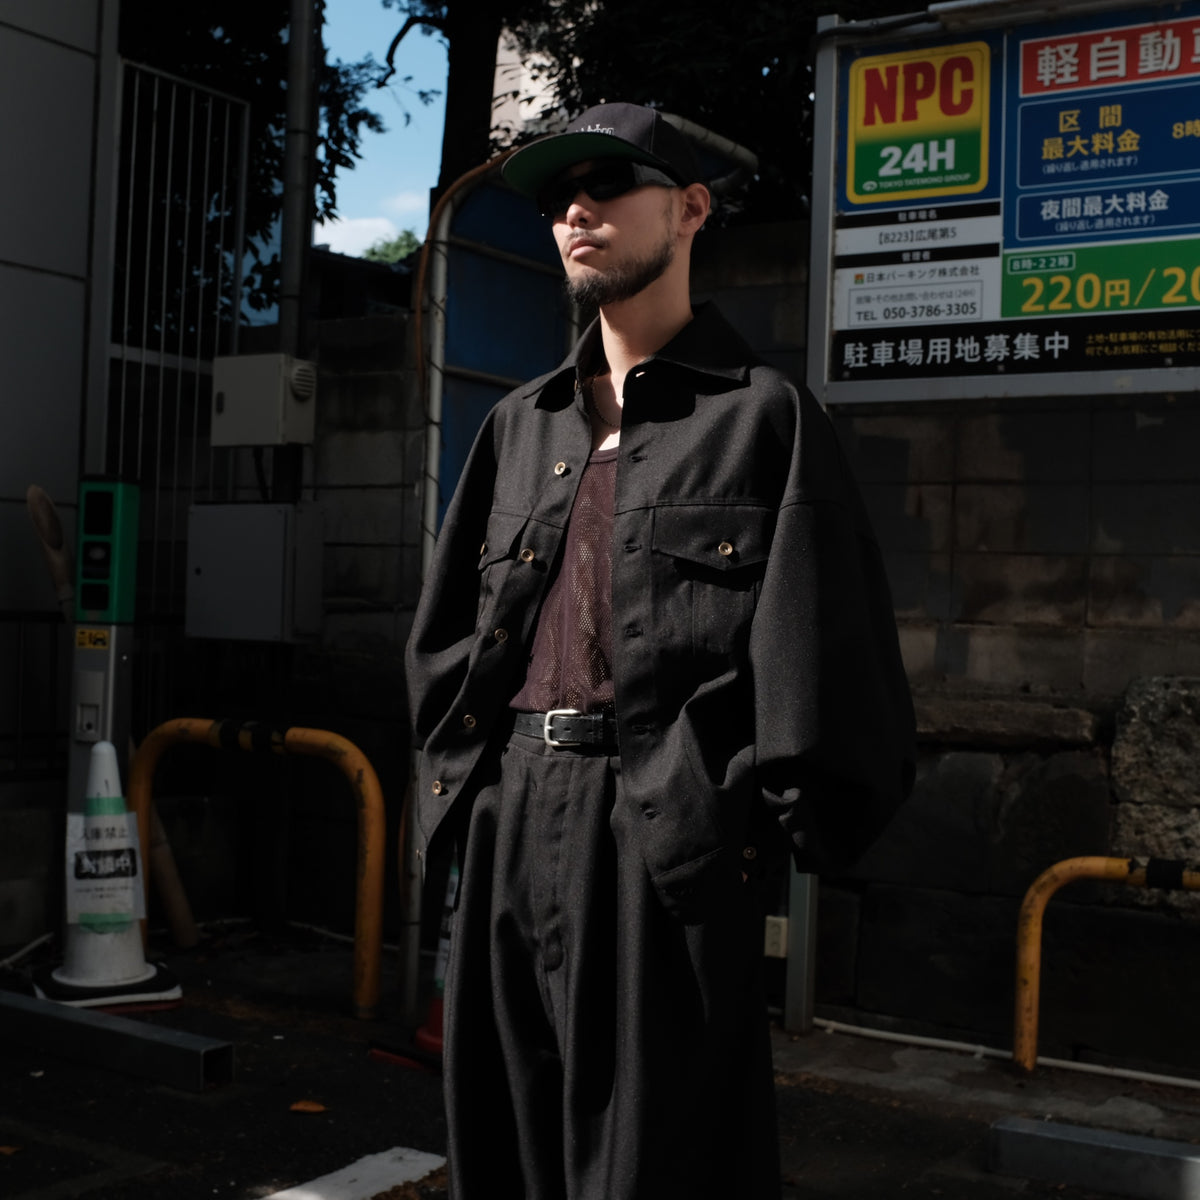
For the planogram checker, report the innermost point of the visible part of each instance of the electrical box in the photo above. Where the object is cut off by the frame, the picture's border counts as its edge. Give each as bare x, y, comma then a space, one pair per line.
254, 572
263, 400
106, 562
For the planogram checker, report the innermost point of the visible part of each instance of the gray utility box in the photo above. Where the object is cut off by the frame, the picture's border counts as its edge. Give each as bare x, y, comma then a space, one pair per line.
263, 400
254, 572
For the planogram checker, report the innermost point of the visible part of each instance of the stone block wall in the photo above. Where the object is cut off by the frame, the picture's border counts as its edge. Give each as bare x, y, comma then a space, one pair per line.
1048, 546
366, 470
266, 838
921, 935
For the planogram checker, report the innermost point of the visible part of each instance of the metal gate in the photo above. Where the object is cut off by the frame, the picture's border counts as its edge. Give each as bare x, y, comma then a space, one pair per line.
178, 265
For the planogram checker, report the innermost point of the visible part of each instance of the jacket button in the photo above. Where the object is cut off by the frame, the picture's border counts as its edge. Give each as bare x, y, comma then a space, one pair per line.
750, 853
527, 555
438, 787
560, 468
501, 635
469, 721
483, 550
725, 549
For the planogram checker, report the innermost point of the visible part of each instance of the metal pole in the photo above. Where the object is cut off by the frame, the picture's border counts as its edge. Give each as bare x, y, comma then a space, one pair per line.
822, 208
296, 226
431, 481
799, 983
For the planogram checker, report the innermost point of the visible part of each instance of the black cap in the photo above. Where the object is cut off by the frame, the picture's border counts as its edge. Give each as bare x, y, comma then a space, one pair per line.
629, 131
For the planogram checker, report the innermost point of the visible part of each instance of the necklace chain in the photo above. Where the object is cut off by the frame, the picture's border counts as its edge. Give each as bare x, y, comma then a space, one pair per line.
590, 401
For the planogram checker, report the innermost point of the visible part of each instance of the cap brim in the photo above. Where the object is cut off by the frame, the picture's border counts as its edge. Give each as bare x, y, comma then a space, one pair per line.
535, 165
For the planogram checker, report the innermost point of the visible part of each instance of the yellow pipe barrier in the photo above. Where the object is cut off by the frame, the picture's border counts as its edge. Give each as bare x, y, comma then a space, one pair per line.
1154, 873
231, 735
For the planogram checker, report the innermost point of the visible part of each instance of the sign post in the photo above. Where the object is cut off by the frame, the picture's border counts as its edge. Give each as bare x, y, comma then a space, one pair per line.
105, 579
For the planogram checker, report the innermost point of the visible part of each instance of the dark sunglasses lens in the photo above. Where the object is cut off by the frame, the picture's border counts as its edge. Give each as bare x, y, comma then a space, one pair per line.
604, 183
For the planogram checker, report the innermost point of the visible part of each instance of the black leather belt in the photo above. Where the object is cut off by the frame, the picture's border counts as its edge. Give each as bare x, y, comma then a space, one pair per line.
567, 727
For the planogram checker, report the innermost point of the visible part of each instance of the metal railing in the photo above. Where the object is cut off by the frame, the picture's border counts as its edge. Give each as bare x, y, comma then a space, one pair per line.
1156, 872
368, 796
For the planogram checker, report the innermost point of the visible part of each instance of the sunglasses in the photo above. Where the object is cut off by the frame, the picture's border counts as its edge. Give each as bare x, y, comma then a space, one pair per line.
605, 182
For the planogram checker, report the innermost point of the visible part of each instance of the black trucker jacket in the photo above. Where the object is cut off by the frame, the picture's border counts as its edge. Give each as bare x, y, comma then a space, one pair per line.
758, 681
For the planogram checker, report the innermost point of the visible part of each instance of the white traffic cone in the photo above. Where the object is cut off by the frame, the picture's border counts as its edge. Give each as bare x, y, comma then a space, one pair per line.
103, 962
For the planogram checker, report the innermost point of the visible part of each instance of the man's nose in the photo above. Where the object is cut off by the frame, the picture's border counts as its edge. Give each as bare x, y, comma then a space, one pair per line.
578, 212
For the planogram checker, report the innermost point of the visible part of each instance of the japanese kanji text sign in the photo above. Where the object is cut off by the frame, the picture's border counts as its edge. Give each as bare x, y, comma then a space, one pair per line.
1016, 202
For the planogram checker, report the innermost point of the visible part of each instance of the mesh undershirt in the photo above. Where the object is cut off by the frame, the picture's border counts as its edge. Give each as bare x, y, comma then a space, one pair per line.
570, 663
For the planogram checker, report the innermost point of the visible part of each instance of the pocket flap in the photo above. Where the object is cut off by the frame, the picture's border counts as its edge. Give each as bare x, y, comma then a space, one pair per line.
503, 531
719, 536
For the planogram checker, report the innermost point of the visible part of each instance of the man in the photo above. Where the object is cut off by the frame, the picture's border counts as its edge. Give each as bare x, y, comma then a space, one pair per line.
655, 652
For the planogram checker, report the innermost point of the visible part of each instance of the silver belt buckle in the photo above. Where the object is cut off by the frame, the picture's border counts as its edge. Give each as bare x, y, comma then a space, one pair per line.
553, 742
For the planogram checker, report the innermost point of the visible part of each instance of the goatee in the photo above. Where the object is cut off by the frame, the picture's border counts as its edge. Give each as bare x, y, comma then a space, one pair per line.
621, 282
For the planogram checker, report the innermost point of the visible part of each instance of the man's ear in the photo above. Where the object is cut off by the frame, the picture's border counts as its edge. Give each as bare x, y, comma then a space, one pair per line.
696, 206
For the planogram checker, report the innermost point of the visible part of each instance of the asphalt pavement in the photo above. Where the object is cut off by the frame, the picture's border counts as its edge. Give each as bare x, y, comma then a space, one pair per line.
314, 1090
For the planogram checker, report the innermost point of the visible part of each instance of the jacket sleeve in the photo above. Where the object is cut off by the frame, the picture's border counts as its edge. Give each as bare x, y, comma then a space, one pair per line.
834, 731
439, 645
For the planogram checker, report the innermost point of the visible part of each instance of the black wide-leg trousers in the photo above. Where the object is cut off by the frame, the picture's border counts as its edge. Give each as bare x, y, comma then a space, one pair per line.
597, 1048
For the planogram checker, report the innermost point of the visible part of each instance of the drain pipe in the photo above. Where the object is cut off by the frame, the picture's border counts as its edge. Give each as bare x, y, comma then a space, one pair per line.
979, 1051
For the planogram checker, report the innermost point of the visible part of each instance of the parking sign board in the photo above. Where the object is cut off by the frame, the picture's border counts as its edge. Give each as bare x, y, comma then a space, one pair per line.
1007, 204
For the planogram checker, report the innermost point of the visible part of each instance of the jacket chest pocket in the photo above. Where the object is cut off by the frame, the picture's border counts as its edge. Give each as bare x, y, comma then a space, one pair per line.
709, 565
500, 550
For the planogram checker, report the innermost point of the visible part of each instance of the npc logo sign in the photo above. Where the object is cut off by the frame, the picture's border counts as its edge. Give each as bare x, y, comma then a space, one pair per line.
918, 124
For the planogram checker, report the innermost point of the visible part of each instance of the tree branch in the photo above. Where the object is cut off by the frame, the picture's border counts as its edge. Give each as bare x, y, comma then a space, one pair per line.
433, 22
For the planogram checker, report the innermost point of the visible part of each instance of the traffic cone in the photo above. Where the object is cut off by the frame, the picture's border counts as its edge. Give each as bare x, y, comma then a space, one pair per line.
103, 962
429, 1036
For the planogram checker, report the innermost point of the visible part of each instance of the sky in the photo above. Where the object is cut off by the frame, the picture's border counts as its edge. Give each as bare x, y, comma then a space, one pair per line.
388, 190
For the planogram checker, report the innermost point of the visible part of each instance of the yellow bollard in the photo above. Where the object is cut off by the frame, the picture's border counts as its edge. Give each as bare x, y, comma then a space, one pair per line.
1155, 873
368, 795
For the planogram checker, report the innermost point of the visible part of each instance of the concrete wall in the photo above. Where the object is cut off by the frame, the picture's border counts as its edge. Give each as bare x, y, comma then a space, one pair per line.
1048, 547
57, 73
53, 64
276, 838
1044, 558
367, 465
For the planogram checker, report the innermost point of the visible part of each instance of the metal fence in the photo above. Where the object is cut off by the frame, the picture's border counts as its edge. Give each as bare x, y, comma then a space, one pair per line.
177, 266
178, 263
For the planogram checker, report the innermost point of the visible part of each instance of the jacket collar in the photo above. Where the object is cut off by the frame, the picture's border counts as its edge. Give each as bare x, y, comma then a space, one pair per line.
707, 345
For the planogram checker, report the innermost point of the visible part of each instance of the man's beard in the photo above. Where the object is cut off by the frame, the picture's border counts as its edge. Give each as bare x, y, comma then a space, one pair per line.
621, 282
